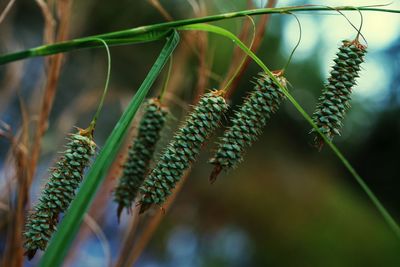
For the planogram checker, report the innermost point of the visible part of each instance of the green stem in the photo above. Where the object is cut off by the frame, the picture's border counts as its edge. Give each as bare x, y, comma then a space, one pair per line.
385, 214
157, 31
81, 43
92, 125
295, 47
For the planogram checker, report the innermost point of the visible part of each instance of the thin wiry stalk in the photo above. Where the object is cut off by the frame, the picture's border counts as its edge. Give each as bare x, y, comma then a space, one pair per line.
157, 31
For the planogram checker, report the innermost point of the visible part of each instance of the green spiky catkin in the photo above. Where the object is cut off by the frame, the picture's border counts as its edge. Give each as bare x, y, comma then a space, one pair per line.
140, 154
183, 149
58, 192
335, 99
248, 122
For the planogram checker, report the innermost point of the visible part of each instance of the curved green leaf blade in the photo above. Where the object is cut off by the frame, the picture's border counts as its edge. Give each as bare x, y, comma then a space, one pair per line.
156, 31
69, 226
82, 43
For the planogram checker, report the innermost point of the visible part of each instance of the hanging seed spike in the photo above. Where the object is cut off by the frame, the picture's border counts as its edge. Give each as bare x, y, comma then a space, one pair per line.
183, 149
41, 226
140, 154
248, 122
53, 200
336, 94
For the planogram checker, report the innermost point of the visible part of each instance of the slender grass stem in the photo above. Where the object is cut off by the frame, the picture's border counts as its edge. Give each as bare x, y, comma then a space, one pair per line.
92, 125
243, 61
154, 32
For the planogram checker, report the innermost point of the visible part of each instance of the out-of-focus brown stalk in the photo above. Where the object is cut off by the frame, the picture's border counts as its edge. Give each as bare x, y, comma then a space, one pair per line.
238, 54
14, 253
25, 165
49, 22
12, 72
157, 5
128, 240
12, 80
96, 229
151, 227
6, 10
54, 68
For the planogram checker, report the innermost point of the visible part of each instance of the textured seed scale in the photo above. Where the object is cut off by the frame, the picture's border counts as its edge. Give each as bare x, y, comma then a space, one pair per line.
58, 193
248, 123
140, 154
335, 99
183, 149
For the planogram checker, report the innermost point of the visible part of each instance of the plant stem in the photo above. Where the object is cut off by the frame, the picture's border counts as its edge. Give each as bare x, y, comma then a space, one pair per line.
92, 125
242, 62
157, 31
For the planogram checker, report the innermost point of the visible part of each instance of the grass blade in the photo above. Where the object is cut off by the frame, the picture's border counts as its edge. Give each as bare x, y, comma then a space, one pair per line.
157, 31
82, 43
69, 226
220, 31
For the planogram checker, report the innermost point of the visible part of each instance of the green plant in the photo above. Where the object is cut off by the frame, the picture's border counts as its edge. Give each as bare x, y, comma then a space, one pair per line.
140, 154
183, 149
335, 99
69, 226
59, 191
248, 122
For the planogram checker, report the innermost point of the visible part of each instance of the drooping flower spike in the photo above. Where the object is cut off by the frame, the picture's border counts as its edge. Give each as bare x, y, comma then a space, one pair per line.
248, 122
140, 154
183, 149
58, 192
336, 95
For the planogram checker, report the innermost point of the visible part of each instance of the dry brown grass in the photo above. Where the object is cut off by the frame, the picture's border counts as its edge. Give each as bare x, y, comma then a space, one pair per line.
13, 255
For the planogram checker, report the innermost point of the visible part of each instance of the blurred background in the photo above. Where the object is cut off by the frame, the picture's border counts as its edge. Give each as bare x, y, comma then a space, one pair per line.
286, 205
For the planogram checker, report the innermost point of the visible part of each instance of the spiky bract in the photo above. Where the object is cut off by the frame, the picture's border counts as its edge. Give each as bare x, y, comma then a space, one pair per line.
140, 154
336, 95
58, 193
248, 122
183, 149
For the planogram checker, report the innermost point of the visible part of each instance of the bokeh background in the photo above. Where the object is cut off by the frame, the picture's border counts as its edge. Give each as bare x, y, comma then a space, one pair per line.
287, 204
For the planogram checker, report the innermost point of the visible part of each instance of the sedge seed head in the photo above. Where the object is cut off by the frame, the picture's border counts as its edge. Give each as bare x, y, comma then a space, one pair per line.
183, 149
140, 154
335, 99
58, 193
248, 122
